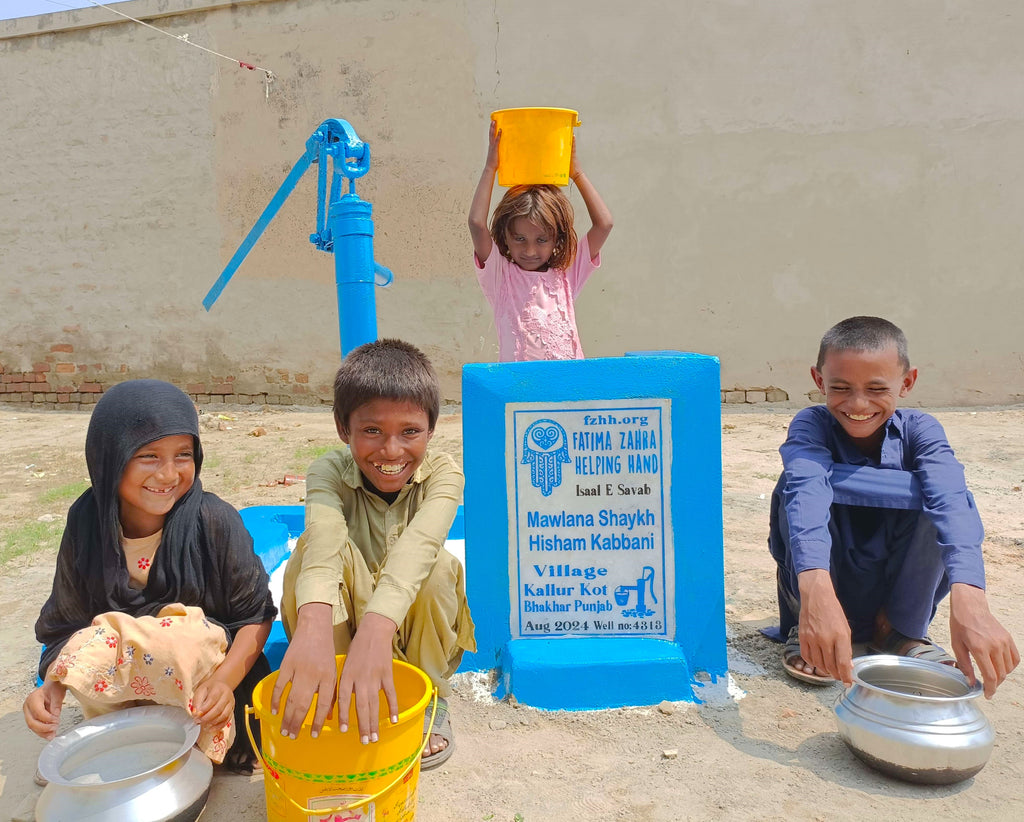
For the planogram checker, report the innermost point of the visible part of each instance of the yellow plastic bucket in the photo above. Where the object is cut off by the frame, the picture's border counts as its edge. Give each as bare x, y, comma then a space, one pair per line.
536, 145
335, 776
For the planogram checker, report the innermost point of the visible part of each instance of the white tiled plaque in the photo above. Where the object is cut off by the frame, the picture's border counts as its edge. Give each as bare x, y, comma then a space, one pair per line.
589, 512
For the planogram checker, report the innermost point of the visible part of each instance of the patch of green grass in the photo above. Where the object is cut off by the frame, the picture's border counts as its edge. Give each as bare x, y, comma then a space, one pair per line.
212, 463
64, 493
29, 538
308, 453
250, 458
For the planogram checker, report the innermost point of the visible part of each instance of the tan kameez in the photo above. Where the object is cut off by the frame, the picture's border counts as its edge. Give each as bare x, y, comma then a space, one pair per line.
361, 554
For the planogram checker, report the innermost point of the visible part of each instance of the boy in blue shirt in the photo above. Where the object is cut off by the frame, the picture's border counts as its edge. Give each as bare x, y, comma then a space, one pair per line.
876, 573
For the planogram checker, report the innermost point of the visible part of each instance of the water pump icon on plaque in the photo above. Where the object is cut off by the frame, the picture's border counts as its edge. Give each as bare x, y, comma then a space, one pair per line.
624, 593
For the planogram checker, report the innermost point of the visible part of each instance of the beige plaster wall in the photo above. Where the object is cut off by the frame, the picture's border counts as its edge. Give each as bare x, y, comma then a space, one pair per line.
772, 168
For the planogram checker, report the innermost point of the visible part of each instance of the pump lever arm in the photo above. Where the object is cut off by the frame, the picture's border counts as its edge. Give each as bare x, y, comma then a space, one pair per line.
333, 140
287, 187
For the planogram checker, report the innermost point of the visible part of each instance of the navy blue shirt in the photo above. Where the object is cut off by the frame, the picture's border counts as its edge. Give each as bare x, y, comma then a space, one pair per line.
913, 441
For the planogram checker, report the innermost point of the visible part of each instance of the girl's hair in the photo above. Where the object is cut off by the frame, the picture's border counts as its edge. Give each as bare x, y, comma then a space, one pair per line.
544, 205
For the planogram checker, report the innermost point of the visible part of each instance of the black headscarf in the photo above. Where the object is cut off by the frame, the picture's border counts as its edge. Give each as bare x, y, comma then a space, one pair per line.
205, 557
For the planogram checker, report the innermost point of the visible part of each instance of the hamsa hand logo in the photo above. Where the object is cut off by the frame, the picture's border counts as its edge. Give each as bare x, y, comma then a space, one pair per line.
545, 448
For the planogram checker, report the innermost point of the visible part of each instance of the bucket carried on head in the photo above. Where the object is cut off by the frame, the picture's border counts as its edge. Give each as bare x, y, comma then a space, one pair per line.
334, 775
536, 145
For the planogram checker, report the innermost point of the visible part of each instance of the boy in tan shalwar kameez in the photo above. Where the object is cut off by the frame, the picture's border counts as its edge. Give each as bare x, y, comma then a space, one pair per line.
370, 577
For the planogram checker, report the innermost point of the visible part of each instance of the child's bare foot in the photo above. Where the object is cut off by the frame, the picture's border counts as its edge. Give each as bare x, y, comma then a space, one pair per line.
437, 744
441, 744
798, 663
799, 668
893, 642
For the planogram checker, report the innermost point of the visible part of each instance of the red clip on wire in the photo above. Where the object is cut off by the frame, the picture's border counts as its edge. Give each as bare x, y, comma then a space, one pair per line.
246, 65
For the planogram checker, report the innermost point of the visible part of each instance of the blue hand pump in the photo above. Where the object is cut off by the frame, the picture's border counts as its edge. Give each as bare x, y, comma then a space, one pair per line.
346, 231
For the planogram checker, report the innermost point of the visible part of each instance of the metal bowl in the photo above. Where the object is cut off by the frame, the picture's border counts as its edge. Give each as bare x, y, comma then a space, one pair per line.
136, 764
915, 720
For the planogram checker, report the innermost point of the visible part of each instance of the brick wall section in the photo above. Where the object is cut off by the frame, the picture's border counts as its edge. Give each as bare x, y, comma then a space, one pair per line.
738, 395
58, 381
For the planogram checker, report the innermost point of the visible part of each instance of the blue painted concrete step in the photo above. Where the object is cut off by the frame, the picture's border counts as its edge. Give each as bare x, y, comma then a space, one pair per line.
572, 673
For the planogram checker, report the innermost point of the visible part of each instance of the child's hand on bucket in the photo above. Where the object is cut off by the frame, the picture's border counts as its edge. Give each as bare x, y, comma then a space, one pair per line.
309, 665
367, 672
493, 140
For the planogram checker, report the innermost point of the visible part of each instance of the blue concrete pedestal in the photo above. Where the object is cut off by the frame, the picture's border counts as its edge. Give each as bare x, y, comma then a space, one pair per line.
556, 673
608, 467
271, 527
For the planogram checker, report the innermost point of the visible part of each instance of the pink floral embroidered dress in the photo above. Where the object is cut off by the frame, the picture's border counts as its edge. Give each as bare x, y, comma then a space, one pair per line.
534, 311
122, 661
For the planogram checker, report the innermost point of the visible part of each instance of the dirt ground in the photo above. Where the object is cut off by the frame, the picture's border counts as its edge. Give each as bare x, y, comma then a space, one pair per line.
767, 751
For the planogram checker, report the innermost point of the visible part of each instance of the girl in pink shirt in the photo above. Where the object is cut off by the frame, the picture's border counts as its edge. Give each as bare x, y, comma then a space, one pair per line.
529, 262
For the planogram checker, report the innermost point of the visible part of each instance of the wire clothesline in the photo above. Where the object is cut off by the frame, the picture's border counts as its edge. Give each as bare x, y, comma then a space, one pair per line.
267, 73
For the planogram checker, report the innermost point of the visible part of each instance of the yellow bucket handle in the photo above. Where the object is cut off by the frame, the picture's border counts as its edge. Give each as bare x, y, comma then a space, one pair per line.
250, 711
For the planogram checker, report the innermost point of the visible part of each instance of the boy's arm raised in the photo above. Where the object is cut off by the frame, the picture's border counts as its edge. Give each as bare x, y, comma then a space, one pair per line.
600, 217
481, 205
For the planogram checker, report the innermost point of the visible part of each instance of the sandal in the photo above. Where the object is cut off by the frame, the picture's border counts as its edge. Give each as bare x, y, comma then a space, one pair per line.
791, 652
896, 643
443, 728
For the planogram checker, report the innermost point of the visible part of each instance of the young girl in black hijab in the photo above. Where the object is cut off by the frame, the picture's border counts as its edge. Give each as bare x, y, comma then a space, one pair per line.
158, 596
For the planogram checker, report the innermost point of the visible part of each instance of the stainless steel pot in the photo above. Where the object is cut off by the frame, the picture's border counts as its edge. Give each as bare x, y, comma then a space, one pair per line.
915, 720
133, 765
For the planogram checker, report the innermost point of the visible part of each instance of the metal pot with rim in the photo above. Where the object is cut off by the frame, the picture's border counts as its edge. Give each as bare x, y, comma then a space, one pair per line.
915, 720
133, 765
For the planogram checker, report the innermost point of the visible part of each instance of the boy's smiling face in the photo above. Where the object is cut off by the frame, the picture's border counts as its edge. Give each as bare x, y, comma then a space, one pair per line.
862, 389
388, 440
